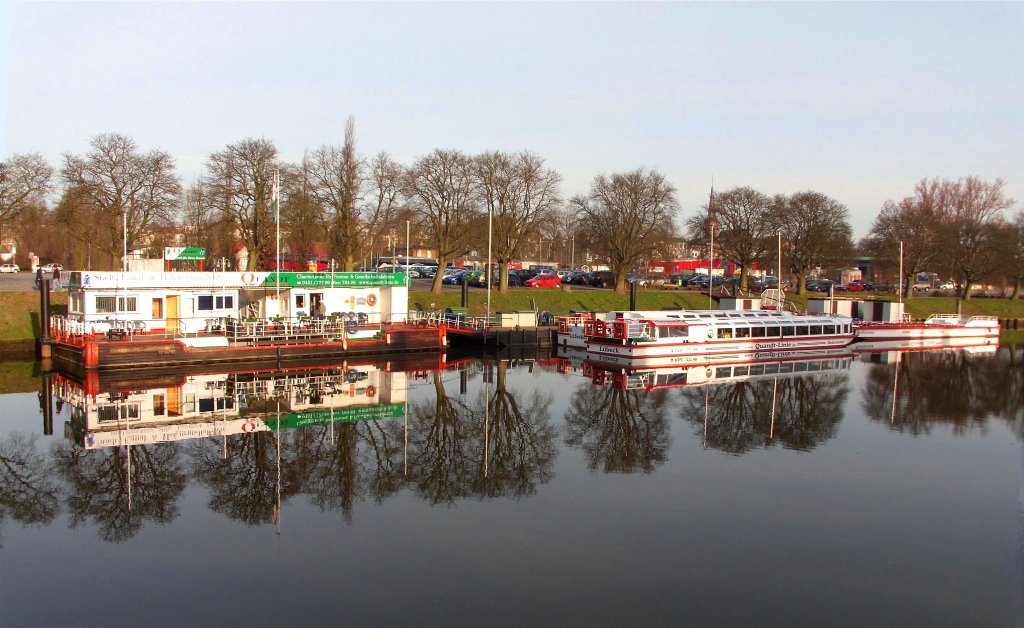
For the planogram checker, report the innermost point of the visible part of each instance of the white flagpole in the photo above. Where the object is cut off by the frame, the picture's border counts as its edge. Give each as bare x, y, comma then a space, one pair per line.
277, 263
900, 289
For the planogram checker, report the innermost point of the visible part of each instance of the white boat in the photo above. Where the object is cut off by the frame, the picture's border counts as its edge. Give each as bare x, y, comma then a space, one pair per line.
938, 326
723, 372
693, 336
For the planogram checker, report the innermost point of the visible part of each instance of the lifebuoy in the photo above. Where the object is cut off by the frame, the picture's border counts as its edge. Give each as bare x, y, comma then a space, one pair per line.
351, 326
371, 299
371, 391
711, 333
351, 376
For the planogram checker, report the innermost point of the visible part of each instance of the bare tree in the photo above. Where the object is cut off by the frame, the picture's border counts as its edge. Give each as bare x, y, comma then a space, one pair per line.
441, 189
115, 179
241, 178
914, 221
746, 226
336, 178
630, 216
970, 234
24, 182
301, 211
1016, 250
521, 195
816, 231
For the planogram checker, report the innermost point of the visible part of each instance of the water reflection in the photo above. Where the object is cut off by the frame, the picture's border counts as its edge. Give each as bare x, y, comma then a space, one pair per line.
914, 391
793, 399
341, 435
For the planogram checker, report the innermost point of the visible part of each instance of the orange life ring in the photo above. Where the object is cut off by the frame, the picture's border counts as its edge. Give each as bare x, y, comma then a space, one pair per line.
371, 299
371, 391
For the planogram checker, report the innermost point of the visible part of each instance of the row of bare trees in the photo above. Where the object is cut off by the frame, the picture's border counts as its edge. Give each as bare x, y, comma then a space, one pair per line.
359, 204
958, 228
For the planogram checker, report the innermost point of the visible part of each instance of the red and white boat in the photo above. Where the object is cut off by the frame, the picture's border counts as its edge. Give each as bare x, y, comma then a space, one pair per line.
938, 326
694, 336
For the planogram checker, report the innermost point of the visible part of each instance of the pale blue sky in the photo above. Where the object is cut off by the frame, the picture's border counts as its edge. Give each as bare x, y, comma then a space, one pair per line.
858, 101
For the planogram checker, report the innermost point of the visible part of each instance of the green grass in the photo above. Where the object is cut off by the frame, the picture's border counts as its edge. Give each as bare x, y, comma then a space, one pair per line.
19, 376
19, 314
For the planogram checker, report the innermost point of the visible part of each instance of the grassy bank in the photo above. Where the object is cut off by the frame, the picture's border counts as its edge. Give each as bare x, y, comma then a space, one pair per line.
19, 317
656, 299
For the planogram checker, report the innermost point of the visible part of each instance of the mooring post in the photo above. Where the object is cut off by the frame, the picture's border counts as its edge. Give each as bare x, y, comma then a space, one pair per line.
46, 401
465, 292
44, 309
632, 295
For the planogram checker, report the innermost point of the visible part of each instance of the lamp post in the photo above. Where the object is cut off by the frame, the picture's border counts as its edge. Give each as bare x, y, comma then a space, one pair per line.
711, 266
407, 227
490, 278
124, 241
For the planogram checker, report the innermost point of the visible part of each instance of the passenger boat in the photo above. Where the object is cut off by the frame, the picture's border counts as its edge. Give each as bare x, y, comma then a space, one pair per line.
694, 336
785, 364
937, 326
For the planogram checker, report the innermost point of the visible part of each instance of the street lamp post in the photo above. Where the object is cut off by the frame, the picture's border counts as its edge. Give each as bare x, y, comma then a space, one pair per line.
490, 278
124, 241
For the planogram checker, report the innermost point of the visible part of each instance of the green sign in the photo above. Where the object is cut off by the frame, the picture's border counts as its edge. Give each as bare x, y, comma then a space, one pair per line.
335, 280
338, 415
192, 253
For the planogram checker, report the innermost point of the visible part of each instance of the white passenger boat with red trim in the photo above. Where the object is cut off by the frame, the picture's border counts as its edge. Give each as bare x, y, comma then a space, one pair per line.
938, 326
693, 336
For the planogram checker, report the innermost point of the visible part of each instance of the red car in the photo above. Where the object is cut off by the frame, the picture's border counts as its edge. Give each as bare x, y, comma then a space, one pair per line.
543, 280
853, 286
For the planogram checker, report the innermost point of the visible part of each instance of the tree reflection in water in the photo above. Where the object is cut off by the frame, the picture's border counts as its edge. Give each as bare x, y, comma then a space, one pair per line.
344, 464
518, 441
620, 431
28, 492
946, 387
117, 492
739, 417
498, 446
243, 483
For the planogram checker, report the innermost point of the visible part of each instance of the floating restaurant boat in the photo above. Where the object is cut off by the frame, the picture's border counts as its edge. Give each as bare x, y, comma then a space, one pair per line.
144, 319
937, 326
694, 336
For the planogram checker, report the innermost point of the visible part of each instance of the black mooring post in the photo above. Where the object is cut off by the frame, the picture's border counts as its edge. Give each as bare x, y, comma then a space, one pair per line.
44, 309
465, 292
632, 295
463, 382
46, 401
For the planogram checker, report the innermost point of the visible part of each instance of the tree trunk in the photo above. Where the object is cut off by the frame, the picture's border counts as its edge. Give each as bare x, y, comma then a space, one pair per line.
349, 263
435, 288
1016, 289
502, 277
620, 283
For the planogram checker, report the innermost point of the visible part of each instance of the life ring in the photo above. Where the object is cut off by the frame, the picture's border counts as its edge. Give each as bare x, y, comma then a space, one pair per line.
371, 299
351, 376
351, 326
371, 391
711, 333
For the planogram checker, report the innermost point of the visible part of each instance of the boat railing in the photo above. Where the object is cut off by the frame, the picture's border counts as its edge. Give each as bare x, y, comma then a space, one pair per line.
943, 319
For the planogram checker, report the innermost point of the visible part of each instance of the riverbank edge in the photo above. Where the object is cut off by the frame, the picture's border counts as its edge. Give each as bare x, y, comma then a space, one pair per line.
19, 311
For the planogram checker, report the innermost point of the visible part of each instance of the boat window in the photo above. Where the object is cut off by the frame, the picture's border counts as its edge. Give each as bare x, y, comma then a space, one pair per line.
758, 332
799, 367
725, 332
757, 369
204, 302
723, 371
771, 369
787, 330
118, 412
300, 301
772, 332
676, 379
786, 367
227, 302
830, 329
815, 330
678, 332
801, 330
75, 303
743, 332
741, 370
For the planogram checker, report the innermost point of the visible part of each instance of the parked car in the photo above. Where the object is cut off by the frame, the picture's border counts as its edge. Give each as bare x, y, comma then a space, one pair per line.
582, 278
9, 268
679, 279
543, 280
52, 266
602, 279
476, 278
525, 273
949, 285
454, 278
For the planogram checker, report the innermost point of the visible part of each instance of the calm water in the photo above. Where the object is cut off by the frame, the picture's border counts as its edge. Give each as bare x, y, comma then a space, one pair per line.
522, 493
